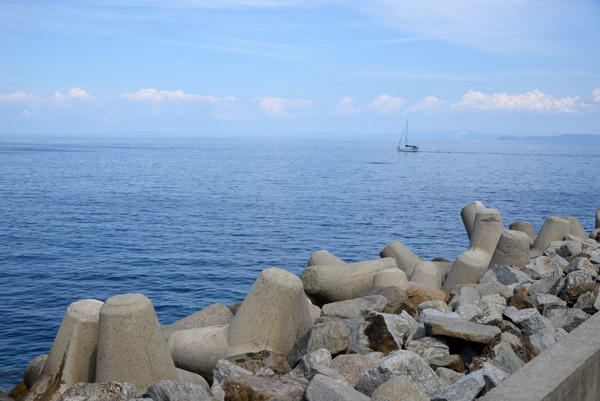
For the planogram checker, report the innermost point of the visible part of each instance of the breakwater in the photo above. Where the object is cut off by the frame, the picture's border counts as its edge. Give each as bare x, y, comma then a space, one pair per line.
376, 329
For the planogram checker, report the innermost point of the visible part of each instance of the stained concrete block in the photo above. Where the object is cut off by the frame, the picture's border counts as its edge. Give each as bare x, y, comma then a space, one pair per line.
131, 346
333, 283
468, 215
72, 358
273, 315
392, 277
486, 231
512, 249
525, 227
467, 269
405, 259
598, 218
554, 229
323, 257
427, 274
34, 370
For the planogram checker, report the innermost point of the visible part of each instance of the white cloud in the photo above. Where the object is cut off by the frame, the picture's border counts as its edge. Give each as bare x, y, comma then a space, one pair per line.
430, 103
21, 97
277, 106
596, 93
530, 101
386, 104
346, 107
159, 96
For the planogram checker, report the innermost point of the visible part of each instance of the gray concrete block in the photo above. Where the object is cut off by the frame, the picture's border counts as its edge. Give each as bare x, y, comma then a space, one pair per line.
131, 346
525, 227
405, 259
323, 257
512, 249
468, 215
392, 277
554, 229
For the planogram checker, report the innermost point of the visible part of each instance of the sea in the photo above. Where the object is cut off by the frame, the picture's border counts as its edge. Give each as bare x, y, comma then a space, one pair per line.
192, 221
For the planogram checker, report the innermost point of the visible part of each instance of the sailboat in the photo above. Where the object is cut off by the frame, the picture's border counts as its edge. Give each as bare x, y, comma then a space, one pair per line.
407, 147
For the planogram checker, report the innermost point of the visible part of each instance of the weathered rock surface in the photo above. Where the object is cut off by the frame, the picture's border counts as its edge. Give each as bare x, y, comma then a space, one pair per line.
400, 364
113, 391
428, 347
398, 389
465, 389
351, 366
355, 308
566, 319
281, 388
324, 388
504, 275
167, 390
381, 332
258, 361
442, 326
333, 336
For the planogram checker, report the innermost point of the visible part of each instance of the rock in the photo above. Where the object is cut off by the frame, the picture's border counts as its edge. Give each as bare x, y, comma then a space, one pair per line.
595, 235
427, 274
351, 366
465, 389
417, 295
528, 320
542, 267
323, 257
576, 229
564, 249
484, 289
393, 277
504, 275
521, 300
554, 229
339, 282
453, 362
434, 304
275, 387
507, 352
492, 376
405, 259
587, 301
381, 332
113, 391
486, 310
355, 308
34, 370
449, 376
398, 389
571, 293
258, 361
442, 326
71, 358
400, 363
548, 301
213, 315
543, 339
324, 388
547, 285
185, 376
273, 316
333, 336
429, 348
396, 297
317, 362
167, 390
512, 249
566, 319
582, 264
525, 227
226, 370
425, 313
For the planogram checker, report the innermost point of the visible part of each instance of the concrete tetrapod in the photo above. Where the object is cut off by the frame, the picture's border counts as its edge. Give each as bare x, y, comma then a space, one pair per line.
576, 229
323, 257
333, 283
554, 229
274, 314
472, 264
525, 227
468, 215
198, 350
512, 249
72, 358
405, 259
392, 277
598, 218
427, 274
131, 346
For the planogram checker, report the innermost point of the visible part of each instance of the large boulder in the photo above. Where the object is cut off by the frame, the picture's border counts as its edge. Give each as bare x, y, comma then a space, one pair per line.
460, 329
401, 363
113, 391
351, 366
333, 336
355, 308
265, 388
380, 332
324, 388
167, 390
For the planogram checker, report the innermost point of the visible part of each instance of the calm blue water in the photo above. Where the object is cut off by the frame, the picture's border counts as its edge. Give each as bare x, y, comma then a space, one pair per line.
191, 222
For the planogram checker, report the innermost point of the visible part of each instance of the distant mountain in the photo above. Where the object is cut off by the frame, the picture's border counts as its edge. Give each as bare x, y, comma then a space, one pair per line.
566, 138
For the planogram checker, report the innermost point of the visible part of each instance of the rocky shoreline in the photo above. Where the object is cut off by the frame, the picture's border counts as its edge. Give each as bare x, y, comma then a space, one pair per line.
392, 328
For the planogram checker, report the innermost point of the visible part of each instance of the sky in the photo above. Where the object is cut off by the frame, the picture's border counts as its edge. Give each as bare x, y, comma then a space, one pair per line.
280, 67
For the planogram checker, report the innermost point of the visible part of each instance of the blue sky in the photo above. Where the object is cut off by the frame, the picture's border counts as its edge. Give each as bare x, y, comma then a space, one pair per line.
211, 67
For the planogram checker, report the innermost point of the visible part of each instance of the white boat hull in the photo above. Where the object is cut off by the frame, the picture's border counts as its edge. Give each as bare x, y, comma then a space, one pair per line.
408, 150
